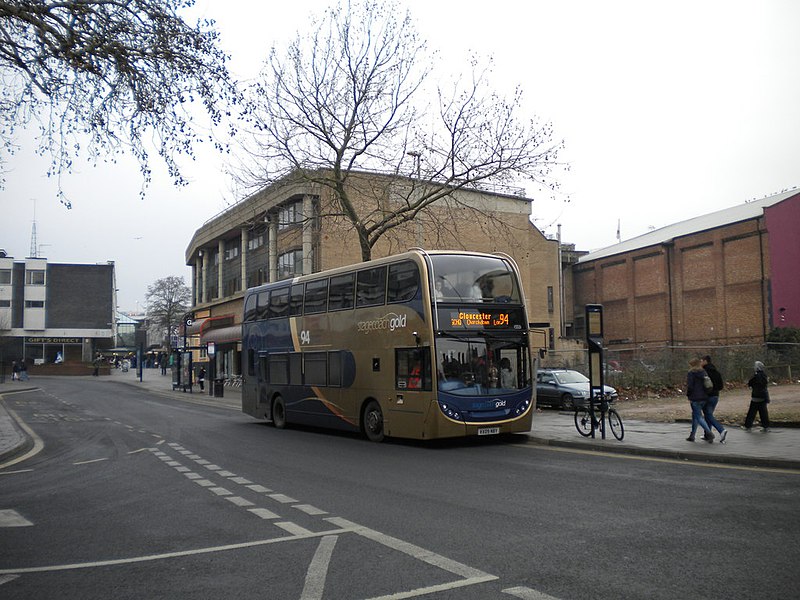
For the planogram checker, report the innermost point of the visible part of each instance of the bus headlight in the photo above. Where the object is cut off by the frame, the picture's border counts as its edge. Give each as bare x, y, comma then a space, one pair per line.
450, 411
521, 407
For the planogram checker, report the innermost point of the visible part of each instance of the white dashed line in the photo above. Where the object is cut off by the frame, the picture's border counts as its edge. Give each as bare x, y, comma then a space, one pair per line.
239, 501
309, 510
264, 513
282, 499
293, 528
259, 488
221, 491
240, 480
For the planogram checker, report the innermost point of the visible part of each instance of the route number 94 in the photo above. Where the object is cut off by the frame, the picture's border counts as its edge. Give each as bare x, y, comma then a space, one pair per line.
305, 336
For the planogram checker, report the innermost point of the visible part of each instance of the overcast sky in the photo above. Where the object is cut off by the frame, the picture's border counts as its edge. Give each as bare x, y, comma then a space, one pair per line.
668, 110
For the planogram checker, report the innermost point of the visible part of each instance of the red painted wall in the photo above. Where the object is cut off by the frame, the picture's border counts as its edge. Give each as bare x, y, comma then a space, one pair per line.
783, 226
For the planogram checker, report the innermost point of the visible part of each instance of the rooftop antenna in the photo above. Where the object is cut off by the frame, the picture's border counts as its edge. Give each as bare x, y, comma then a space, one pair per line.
34, 244
619, 232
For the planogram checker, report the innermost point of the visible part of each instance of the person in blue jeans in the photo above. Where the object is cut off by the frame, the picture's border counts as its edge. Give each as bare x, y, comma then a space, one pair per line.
713, 397
696, 392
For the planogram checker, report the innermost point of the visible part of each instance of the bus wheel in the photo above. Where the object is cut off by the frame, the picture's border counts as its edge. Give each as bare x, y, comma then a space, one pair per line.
278, 413
373, 421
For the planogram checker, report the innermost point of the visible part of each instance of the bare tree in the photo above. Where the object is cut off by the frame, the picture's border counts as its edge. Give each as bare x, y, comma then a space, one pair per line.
167, 300
101, 77
354, 95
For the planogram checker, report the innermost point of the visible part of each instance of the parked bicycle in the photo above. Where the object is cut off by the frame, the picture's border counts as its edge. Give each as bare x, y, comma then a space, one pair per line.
588, 420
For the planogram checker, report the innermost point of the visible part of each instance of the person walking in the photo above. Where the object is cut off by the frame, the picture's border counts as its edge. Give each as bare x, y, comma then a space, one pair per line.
713, 397
23, 370
696, 392
759, 398
14, 370
201, 378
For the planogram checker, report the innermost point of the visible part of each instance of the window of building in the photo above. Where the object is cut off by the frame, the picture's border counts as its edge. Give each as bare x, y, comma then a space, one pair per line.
232, 286
5, 303
34, 277
255, 241
5, 276
34, 303
290, 264
290, 214
231, 250
550, 301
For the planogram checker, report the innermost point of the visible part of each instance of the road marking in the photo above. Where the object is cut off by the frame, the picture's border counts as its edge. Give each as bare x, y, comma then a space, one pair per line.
221, 491
191, 475
139, 450
7, 578
240, 480
213, 467
264, 513
282, 498
318, 569
239, 501
259, 488
166, 555
16, 472
88, 462
226, 474
407, 548
11, 518
528, 594
38, 444
204, 482
292, 528
309, 510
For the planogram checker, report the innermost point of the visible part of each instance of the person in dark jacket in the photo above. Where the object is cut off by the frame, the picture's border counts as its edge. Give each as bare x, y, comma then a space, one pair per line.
713, 397
759, 398
696, 392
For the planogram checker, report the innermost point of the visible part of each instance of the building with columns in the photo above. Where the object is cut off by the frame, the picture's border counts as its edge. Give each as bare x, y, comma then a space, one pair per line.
293, 227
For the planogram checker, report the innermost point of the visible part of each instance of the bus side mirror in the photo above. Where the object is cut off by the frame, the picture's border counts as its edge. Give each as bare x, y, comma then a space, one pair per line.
542, 352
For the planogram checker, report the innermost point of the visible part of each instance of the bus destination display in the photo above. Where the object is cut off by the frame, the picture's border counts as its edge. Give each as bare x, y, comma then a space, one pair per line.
472, 318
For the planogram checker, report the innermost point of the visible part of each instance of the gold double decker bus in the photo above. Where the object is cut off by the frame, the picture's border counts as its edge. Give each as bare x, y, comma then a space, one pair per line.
421, 345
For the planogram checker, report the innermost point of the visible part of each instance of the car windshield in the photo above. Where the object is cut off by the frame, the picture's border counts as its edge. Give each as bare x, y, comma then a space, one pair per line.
479, 366
571, 377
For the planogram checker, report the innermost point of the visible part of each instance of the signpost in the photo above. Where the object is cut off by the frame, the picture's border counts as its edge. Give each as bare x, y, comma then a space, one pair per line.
594, 342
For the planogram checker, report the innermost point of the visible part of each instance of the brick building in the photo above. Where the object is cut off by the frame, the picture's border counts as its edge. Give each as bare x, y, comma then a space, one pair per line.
724, 278
50, 308
290, 228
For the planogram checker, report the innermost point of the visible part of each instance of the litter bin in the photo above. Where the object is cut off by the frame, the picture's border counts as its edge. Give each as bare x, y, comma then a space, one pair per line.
218, 388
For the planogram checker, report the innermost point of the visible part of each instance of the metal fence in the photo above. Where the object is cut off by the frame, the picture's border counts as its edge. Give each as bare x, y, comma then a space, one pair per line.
667, 366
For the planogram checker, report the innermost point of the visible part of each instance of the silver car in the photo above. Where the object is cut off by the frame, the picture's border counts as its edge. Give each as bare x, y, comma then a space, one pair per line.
565, 389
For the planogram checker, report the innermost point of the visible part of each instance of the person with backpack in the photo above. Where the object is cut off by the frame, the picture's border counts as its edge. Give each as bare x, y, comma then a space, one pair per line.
713, 397
759, 398
698, 396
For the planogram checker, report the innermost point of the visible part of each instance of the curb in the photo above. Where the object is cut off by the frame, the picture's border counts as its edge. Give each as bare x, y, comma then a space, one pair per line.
742, 461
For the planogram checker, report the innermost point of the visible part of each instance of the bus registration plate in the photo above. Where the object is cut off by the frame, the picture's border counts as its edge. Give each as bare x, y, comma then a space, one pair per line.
488, 431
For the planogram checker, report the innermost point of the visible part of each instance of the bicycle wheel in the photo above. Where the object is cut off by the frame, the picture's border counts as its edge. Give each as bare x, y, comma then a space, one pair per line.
583, 421
615, 422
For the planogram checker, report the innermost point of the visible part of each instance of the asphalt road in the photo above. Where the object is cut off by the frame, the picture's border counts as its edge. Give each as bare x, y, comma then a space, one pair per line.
136, 495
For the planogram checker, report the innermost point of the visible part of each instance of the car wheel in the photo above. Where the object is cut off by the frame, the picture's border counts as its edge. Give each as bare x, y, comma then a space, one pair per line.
567, 402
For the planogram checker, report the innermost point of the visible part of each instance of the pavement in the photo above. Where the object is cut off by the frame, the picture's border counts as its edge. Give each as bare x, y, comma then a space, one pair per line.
777, 449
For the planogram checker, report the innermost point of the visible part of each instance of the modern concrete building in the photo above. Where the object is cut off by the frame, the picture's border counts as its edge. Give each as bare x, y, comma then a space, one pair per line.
724, 278
294, 228
47, 309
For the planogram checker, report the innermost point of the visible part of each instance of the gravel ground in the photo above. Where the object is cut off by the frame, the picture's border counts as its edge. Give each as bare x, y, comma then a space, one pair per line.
670, 405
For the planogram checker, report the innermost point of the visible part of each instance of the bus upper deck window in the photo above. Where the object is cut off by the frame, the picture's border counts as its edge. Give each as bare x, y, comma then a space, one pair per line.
403, 282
